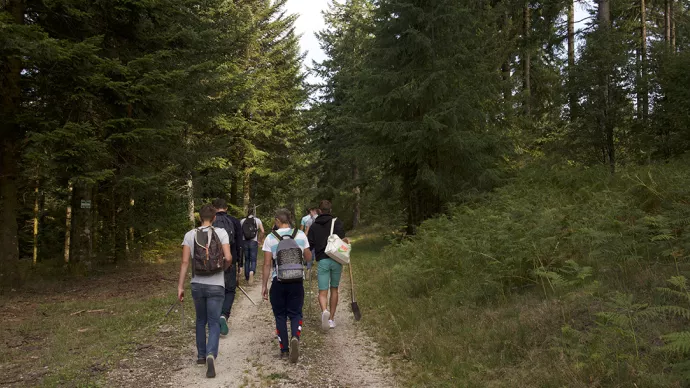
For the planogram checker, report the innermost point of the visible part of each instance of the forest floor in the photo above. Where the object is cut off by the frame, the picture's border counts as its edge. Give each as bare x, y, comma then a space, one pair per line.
112, 330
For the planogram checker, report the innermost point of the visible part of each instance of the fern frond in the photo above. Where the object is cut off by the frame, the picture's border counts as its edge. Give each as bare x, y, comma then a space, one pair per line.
679, 281
613, 318
677, 342
674, 293
673, 310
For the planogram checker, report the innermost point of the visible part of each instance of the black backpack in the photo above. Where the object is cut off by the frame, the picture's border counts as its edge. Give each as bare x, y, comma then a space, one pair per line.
224, 221
208, 252
249, 228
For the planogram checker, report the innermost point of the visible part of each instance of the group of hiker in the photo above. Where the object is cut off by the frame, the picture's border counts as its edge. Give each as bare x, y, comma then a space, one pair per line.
223, 245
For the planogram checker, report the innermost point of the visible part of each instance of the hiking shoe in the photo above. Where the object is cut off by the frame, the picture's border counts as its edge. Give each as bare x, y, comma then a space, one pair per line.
294, 350
200, 361
251, 276
210, 367
331, 323
325, 317
224, 330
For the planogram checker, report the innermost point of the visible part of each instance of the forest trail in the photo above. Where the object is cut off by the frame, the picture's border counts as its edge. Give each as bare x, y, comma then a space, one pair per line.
248, 355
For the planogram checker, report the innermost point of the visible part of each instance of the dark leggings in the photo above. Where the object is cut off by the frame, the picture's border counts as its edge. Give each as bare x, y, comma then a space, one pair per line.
287, 300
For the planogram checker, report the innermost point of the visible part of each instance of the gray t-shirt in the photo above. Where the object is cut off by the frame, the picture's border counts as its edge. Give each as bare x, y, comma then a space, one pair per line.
259, 227
217, 279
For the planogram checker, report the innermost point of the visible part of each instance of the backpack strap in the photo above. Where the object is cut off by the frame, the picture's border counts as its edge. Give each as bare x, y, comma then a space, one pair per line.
332, 225
276, 235
294, 233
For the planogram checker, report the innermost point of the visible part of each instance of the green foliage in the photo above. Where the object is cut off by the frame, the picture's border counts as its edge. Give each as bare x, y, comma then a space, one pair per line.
547, 281
147, 108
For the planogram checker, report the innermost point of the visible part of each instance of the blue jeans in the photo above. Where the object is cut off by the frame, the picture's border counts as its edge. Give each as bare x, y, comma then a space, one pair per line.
251, 249
207, 302
287, 300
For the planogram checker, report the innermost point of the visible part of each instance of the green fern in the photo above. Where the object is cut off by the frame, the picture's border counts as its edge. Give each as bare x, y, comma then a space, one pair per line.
678, 342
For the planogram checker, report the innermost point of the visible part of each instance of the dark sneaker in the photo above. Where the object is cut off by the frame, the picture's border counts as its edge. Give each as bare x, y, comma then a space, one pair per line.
210, 367
283, 355
224, 330
294, 350
201, 361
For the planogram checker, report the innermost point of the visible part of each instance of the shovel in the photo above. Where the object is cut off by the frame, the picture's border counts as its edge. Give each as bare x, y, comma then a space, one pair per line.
355, 307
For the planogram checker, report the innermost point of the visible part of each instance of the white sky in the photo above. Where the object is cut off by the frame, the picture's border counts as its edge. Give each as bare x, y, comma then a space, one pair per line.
311, 21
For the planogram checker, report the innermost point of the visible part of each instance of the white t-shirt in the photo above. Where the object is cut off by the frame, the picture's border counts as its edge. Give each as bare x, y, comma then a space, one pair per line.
217, 279
259, 227
271, 242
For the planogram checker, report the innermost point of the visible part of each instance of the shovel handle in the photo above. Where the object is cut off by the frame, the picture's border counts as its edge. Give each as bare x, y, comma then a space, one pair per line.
352, 283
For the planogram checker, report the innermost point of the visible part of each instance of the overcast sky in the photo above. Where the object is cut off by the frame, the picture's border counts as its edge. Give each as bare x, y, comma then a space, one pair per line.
311, 21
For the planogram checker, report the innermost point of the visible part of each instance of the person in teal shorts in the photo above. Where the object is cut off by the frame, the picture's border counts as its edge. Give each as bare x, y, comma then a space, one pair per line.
329, 270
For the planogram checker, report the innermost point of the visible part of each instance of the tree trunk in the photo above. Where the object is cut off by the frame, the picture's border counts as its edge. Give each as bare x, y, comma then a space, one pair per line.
81, 243
357, 192
604, 18
68, 222
667, 23
672, 20
246, 189
190, 200
527, 60
643, 61
35, 222
10, 102
505, 66
572, 98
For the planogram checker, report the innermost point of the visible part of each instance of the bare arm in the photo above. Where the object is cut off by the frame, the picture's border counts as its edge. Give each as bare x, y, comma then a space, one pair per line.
307, 255
261, 233
266, 273
184, 266
227, 256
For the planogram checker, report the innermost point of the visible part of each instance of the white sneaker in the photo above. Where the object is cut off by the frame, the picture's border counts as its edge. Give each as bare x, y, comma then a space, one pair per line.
331, 323
325, 320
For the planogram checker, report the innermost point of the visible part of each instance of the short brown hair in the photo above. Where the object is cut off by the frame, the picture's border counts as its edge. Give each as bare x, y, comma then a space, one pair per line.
325, 206
283, 216
220, 203
207, 213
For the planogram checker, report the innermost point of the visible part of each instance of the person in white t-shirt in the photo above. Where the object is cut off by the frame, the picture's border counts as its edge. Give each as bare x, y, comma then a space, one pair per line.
287, 298
253, 234
208, 292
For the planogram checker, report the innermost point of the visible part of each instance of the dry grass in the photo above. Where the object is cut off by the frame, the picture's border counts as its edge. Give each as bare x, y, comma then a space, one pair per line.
86, 331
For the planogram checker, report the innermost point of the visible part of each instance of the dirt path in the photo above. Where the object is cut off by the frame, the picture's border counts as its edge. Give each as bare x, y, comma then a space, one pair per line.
248, 356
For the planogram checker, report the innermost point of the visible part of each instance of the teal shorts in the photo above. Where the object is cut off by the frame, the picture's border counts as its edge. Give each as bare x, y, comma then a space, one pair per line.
329, 273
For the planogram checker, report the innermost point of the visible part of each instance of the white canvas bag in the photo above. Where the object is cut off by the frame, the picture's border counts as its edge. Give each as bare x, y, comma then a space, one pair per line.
336, 248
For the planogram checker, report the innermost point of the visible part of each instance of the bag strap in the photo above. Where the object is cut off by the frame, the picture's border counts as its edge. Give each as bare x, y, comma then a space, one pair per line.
294, 233
332, 225
276, 235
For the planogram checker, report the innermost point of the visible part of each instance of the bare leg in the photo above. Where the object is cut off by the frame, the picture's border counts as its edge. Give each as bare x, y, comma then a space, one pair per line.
334, 301
323, 300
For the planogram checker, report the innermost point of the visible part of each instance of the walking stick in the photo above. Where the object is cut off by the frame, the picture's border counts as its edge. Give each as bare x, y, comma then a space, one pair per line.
245, 294
311, 294
355, 307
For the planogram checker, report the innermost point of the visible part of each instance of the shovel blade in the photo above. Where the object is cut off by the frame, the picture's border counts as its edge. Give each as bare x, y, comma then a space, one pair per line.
356, 312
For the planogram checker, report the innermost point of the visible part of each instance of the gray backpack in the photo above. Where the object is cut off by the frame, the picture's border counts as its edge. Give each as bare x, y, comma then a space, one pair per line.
288, 259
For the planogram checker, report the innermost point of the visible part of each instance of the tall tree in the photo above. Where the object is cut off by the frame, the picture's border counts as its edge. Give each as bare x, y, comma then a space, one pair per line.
11, 18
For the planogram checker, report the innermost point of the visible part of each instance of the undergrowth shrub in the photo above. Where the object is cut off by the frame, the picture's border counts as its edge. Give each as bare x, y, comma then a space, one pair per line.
550, 280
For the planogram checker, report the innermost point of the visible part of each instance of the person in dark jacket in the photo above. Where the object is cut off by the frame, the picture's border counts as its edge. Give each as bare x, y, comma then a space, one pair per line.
329, 270
234, 229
